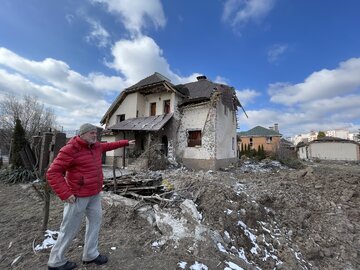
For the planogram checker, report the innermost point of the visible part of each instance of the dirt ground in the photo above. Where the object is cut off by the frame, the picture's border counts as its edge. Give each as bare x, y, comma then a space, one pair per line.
253, 216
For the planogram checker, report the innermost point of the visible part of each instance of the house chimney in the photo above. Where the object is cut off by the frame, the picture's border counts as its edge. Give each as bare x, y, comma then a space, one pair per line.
202, 77
276, 127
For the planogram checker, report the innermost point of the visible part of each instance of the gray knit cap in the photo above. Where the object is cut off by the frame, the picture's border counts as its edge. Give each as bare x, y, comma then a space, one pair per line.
86, 128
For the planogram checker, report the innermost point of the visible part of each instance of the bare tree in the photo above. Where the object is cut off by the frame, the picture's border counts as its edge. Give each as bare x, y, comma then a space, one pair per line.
34, 116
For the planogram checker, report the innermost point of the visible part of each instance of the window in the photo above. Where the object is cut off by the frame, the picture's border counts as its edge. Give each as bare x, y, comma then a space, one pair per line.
167, 106
233, 143
120, 118
268, 139
194, 138
251, 142
153, 109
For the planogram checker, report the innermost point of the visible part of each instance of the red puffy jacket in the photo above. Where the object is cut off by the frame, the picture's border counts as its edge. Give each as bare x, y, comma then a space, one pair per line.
77, 169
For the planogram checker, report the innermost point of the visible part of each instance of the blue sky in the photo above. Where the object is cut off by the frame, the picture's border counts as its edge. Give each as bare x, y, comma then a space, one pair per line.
295, 63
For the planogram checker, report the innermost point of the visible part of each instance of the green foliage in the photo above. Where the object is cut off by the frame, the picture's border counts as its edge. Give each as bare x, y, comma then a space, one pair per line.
288, 157
19, 142
321, 134
252, 153
17, 175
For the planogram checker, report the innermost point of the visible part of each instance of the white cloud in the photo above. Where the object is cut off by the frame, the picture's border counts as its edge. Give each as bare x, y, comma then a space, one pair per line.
70, 94
319, 85
141, 57
58, 74
323, 114
327, 99
240, 12
136, 14
275, 52
247, 96
222, 80
98, 34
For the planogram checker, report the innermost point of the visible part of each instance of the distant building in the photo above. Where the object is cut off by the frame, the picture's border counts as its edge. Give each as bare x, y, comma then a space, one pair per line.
260, 136
329, 148
312, 135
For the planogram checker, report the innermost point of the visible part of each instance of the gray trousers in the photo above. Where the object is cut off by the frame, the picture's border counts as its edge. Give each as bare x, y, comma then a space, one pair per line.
73, 215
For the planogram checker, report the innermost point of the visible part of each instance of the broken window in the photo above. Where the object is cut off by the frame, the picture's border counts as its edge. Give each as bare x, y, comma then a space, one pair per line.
120, 118
166, 106
268, 139
194, 138
153, 109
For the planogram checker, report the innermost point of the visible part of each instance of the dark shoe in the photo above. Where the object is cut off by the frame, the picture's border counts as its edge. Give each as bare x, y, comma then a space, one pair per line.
67, 266
99, 260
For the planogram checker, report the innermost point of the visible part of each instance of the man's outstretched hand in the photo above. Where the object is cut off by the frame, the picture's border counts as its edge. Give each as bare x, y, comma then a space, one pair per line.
132, 142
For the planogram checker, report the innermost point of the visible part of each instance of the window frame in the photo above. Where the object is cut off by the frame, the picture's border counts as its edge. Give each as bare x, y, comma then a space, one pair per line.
194, 138
152, 109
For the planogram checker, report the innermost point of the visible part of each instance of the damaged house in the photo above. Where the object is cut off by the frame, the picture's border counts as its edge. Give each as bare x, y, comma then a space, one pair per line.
193, 123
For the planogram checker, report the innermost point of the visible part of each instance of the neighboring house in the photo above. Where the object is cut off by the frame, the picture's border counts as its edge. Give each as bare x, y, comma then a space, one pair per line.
193, 123
330, 148
269, 139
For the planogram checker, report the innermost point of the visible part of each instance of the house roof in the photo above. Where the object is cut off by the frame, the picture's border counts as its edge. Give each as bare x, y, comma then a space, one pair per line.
332, 139
259, 131
201, 89
151, 123
150, 80
326, 140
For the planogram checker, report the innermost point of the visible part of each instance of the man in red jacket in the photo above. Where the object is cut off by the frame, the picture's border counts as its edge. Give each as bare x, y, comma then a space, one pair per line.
76, 177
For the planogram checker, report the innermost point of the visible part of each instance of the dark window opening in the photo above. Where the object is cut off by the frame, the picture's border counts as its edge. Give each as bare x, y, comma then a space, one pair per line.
153, 109
194, 138
166, 106
120, 118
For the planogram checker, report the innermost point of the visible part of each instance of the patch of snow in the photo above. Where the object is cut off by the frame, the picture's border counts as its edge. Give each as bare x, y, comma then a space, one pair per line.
250, 235
113, 248
50, 240
198, 266
158, 244
228, 211
16, 260
182, 265
232, 266
189, 207
241, 254
221, 248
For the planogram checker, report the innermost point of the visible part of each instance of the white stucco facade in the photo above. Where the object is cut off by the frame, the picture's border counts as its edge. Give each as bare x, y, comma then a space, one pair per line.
346, 151
226, 133
334, 151
194, 117
302, 152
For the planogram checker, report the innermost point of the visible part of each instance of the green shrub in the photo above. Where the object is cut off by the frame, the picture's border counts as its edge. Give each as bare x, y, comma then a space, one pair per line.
288, 157
17, 175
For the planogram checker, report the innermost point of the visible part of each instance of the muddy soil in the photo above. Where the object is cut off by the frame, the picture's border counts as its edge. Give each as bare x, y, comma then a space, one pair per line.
252, 215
